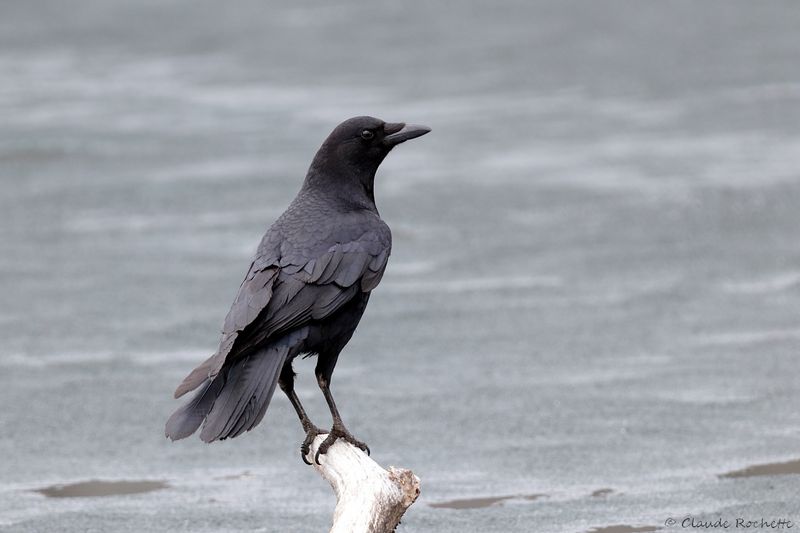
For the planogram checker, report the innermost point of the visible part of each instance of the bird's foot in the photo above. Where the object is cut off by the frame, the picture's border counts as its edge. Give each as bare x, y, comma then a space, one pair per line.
311, 433
336, 433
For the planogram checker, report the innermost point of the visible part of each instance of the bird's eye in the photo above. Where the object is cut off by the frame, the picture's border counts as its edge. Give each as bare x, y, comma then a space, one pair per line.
367, 135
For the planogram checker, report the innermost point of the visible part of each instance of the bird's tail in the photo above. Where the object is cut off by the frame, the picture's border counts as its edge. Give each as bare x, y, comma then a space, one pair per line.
234, 401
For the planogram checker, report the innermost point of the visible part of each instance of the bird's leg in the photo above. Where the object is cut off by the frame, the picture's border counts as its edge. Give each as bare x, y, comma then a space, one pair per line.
311, 430
286, 381
338, 431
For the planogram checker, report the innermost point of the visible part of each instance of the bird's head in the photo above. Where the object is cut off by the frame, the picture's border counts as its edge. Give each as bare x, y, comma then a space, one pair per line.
370, 139
357, 147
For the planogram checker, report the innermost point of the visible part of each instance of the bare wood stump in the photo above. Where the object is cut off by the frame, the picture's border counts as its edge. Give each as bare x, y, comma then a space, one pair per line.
369, 498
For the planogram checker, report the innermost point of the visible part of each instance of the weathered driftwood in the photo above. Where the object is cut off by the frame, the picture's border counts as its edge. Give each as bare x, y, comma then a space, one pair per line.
369, 498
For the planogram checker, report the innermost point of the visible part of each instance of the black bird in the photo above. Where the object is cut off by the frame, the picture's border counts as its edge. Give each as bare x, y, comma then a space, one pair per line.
304, 293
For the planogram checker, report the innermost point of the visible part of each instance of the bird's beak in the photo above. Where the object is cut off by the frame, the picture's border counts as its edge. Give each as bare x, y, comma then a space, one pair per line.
400, 133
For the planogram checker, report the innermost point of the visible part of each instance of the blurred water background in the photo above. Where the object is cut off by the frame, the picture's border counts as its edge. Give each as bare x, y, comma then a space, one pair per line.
592, 303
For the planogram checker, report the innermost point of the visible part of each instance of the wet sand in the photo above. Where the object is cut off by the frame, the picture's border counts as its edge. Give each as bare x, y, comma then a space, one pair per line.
623, 529
95, 488
477, 503
767, 469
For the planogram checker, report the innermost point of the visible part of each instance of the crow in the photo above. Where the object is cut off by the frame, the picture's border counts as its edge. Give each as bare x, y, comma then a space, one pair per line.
304, 293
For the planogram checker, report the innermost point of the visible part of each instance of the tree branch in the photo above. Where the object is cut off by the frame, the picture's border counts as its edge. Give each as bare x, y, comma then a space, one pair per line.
369, 498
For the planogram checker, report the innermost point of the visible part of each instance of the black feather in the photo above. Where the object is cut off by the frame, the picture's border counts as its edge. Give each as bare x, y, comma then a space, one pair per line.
242, 381
188, 418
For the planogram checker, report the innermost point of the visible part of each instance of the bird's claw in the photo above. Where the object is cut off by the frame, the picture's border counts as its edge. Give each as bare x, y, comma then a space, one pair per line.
305, 448
336, 434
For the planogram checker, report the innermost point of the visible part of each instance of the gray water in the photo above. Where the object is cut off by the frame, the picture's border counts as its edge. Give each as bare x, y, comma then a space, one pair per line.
595, 281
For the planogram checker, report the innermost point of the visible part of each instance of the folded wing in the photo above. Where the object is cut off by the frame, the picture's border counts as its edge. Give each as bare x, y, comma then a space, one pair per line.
282, 294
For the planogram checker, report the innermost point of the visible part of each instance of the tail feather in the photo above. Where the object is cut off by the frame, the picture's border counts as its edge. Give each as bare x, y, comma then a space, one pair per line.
197, 376
250, 381
188, 418
256, 407
235, 399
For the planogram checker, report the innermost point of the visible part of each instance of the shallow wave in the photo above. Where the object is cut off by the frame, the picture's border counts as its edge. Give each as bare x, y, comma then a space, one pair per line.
749, 337
473, 284
105, 221
774, 283
189, 355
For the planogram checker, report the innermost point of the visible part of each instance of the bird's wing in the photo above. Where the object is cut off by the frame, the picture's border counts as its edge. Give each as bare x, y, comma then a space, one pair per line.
318, 288
278, 295
253, 296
